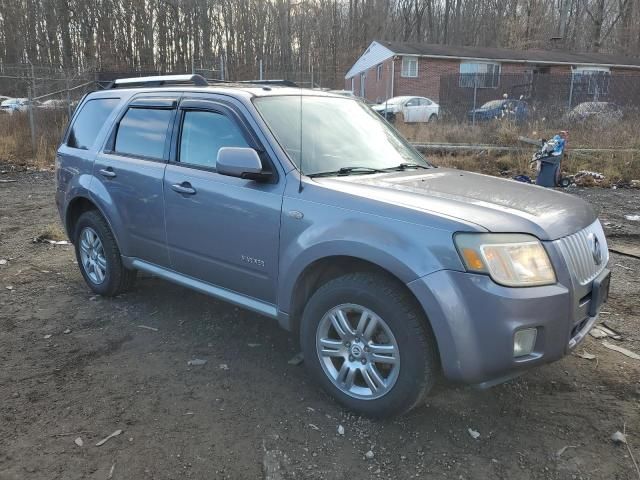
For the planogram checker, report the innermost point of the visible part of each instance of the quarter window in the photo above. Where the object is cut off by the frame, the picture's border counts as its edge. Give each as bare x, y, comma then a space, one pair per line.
204, 134
143, 132
409, 67
85, 129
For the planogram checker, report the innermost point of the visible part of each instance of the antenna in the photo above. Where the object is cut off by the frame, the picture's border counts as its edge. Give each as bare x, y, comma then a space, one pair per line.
300, 184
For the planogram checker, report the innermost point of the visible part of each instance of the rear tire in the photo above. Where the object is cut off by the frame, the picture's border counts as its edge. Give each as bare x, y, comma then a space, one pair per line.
378, 371
99, 257
433, 118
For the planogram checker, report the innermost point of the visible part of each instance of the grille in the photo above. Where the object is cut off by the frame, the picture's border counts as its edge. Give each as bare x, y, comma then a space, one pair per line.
577, 250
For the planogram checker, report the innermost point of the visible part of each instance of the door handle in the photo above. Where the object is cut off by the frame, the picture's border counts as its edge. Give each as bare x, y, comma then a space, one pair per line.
184, 187
108, 172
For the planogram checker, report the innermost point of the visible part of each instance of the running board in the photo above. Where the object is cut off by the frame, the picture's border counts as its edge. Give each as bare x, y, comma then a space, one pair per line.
250, 303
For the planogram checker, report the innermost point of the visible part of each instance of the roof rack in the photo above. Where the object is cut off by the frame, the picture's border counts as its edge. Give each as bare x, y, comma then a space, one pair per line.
281, 83
159, 81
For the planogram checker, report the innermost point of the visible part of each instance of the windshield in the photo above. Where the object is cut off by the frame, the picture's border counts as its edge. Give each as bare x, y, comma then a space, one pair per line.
334, 133
493, 104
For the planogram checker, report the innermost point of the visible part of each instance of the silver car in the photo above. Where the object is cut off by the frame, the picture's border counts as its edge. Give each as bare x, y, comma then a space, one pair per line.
309, 209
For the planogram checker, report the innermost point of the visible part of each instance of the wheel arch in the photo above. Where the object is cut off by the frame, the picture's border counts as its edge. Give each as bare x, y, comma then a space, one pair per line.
76, 208
325, 269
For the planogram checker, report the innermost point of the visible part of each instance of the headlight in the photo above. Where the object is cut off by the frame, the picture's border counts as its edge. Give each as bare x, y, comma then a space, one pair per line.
513, 260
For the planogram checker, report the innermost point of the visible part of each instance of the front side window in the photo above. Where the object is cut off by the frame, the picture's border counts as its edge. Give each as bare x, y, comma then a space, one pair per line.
143, 132
204, 134
333, 133
409, 67
89, 121
479, 74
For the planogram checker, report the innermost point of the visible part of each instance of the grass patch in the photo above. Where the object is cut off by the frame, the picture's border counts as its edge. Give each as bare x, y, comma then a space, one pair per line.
54, 232
622, 134
618, 168
15, 141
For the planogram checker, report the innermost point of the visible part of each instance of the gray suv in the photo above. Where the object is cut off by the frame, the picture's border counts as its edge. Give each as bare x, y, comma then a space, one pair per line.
309, 208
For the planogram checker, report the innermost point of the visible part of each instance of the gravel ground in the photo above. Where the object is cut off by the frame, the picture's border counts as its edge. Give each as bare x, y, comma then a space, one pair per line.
247, 413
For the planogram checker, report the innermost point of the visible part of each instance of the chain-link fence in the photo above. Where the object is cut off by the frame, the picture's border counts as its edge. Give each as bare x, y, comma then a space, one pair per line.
38, 101
36, 105
531, 96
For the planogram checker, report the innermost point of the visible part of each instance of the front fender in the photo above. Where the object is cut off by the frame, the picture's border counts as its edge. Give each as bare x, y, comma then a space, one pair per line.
406, 250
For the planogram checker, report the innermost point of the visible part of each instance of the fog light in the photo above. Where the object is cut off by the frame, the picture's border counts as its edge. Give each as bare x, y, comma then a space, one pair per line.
524, 341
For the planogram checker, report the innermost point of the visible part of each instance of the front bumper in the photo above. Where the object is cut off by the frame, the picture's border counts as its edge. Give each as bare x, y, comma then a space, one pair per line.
474, 321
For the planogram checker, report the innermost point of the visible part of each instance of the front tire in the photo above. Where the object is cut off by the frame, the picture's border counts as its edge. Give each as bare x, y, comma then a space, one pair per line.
369, 345
99, 257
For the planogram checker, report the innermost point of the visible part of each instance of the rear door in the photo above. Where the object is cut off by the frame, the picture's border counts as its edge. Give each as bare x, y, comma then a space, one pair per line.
131, 171
221, 230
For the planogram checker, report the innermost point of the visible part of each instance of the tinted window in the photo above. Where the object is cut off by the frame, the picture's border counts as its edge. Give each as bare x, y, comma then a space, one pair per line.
204, 133
142, 132
89, 122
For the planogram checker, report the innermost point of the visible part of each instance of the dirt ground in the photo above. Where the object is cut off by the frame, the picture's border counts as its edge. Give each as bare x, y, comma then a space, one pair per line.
248, 413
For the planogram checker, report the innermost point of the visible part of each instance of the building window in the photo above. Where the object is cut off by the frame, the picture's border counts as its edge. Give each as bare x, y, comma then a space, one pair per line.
363, 78
379, 73
409, 67
479, 74
592, 81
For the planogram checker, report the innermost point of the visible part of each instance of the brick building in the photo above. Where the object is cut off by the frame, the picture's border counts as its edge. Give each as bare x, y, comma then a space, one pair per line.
389, 69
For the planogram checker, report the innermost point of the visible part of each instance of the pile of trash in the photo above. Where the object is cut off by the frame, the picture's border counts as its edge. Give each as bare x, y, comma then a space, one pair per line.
586, 178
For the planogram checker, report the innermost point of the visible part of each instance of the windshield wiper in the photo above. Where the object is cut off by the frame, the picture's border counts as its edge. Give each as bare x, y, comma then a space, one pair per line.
405, 166
347, 171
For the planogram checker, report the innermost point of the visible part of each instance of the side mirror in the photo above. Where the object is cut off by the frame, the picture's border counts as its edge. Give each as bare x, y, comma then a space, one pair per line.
240, 162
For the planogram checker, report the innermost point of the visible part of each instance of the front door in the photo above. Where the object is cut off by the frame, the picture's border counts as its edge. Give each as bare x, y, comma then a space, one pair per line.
415, 110
221, 230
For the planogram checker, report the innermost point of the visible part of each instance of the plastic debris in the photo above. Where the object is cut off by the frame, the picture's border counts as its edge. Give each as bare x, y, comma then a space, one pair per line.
78, 441
564, 449
340, 430
619, 437
196, 362
42, 239
586, 355
223, 366
597, 333
106, 439
633, 218
47, 336
3, 261
369, 455
67, 331
474, 433
297, 359
315, 427
153, 329
621, 350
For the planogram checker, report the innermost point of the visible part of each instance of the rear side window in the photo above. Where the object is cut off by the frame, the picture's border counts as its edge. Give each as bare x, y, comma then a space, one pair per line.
89, 122
143, 132
204, 133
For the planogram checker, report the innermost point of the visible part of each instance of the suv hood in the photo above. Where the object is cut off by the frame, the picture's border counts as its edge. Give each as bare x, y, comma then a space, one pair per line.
497, 205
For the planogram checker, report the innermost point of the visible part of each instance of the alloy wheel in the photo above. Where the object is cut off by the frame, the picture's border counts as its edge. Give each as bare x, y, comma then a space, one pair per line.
94, 262
358, 351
